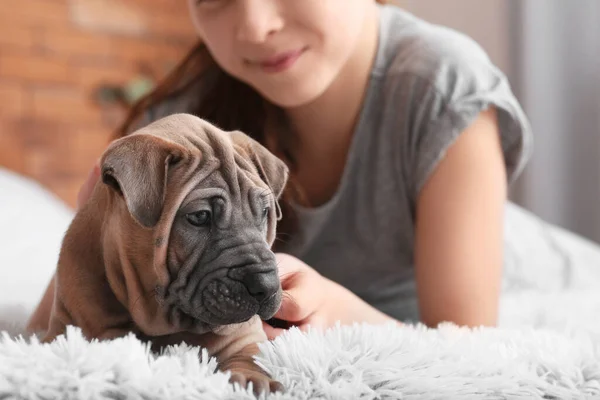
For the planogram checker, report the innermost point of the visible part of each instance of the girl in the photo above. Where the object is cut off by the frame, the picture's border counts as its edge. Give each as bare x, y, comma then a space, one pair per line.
401, 137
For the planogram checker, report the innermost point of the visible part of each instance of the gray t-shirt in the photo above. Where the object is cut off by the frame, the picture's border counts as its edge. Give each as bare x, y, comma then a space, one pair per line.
427, 85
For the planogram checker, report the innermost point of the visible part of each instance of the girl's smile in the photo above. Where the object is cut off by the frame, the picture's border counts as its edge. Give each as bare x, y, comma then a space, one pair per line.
279, 62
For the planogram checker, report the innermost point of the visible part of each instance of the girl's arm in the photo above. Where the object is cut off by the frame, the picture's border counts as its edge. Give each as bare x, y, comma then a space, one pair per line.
459, 230
458, 251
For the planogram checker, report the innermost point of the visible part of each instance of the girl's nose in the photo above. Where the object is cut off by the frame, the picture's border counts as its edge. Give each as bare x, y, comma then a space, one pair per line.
258, 19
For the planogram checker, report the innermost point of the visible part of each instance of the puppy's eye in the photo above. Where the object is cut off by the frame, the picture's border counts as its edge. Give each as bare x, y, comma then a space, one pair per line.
265, 212
199, 218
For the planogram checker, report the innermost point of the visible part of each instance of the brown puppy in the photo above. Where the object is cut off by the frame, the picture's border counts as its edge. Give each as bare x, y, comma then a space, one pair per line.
175, 245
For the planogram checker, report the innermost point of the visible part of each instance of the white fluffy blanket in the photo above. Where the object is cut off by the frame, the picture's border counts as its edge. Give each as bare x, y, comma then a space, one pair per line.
548, 359
547, 346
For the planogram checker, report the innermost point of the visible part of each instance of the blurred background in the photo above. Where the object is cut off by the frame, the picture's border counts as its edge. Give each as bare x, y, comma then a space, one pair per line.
550, 51
65, 67
70, 68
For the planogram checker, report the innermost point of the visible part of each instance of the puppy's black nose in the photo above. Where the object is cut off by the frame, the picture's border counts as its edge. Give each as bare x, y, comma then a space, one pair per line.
261, 285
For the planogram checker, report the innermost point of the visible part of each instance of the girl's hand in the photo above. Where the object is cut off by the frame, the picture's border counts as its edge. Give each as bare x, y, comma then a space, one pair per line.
311, 299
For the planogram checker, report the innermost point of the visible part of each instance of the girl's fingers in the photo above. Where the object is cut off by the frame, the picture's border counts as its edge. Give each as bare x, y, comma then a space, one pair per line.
302, 289
296, 305
271, 332
287, 265
289, 310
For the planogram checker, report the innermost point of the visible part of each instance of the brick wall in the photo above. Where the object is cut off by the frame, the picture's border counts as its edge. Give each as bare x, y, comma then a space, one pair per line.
54, 55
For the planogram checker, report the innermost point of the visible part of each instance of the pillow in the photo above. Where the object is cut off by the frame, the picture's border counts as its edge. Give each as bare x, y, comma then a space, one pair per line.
33, 222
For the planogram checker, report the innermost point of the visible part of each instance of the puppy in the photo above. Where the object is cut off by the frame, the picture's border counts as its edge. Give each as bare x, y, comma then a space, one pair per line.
174, 245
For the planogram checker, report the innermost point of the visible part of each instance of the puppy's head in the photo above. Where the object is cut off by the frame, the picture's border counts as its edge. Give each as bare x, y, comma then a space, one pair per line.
209, 197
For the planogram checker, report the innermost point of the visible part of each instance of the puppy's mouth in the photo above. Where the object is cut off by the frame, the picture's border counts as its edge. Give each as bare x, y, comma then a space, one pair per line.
224, 301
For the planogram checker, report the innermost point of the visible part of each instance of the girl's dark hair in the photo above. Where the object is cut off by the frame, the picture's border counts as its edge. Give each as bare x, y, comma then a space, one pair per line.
229, 104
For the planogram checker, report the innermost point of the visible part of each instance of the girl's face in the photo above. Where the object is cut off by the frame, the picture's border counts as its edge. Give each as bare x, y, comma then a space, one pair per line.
290, 51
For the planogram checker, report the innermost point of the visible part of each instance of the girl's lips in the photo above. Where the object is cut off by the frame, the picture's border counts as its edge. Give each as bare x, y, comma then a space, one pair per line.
281, 61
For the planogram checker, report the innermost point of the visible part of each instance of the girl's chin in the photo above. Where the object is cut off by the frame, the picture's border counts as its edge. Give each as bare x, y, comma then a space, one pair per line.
291, 95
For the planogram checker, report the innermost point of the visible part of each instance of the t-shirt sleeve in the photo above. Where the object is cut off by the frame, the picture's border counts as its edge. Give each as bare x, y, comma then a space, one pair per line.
450, 80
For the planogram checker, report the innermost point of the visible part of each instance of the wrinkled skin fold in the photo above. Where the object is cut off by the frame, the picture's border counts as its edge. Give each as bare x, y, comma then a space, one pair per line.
175, 244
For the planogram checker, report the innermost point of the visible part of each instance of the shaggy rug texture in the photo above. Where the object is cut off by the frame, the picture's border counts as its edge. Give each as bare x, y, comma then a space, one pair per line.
547, 359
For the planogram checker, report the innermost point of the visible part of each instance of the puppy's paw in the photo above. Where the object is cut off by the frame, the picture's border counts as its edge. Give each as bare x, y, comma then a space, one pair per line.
244, 370
261, 383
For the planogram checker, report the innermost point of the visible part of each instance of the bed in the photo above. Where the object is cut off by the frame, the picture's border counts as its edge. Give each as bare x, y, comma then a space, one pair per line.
547, 345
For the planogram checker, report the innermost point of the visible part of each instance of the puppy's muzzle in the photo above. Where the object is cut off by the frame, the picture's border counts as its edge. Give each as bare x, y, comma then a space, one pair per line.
234, 294
262, 285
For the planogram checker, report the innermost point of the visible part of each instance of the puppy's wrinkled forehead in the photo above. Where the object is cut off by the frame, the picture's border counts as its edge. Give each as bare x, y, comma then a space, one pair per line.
193, 133
231, 154
169, 155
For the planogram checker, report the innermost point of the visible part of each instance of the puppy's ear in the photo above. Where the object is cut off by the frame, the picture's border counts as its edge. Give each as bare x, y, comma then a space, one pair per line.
136, 167
272, 170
